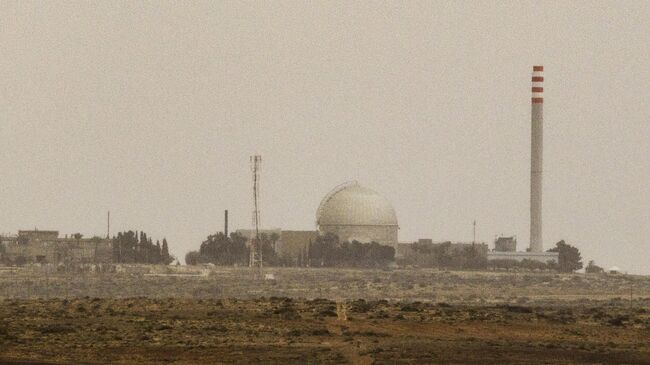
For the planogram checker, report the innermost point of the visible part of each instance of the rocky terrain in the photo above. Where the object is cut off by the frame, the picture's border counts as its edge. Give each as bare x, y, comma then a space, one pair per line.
215, 315
284, 330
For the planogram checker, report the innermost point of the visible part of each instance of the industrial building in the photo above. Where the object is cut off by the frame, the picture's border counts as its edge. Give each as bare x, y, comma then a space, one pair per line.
290, 244
47, 247
505, 244
356, 213
408, 251
350, 211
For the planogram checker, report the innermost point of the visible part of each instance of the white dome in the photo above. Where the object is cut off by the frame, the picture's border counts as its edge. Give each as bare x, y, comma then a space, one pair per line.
353, 205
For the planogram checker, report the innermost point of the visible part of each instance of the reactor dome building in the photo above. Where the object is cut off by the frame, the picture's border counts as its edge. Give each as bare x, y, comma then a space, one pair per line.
354, 212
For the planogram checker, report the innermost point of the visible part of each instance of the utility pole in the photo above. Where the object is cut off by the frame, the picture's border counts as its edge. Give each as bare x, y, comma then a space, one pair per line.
256, 244
225, 223
474, 240
108, 225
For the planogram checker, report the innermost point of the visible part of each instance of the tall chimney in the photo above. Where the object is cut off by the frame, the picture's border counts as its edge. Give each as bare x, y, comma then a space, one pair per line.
225, 222
536, 152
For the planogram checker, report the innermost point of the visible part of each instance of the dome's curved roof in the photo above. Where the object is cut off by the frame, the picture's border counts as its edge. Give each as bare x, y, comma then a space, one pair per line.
353, 204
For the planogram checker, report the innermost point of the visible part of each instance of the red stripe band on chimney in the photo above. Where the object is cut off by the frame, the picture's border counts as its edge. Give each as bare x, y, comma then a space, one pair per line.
538, 89
538, 79
538, 68
537, 100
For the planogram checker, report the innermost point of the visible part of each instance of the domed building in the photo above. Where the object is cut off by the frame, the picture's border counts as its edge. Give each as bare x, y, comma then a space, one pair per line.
354, 212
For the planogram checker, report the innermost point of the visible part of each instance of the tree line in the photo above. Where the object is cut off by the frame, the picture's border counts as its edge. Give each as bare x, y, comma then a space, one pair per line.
445, 256
131, 247
328, 251
220, 250
325, 251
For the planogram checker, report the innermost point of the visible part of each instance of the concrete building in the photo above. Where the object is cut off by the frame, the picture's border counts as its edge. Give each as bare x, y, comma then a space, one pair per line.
293, 245
47, 247
505, 244
406, 250
457, 255
353, 212
249, 234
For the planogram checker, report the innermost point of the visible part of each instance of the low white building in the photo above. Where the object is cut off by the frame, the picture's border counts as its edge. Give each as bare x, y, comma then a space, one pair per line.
543, 257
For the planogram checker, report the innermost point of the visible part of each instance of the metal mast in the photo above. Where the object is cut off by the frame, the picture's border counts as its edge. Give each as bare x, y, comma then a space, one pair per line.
256, 245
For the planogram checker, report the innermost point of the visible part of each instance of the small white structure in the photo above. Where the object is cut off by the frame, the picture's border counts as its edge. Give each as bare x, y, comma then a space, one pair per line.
614, 270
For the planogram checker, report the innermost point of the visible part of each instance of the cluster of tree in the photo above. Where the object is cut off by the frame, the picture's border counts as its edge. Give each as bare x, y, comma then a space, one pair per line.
446, 256
569, 257
473, 257
228, 251
131, 247
220, 250
3, 258
326, 250
592, 268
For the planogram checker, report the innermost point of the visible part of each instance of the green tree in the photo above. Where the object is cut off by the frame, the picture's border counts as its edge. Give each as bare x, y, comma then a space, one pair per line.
158, 258
192, 258
326, 250
124, 246
569, 257
134, 247
166, 257
592, 268
473, 258
221, 250
273, 238
322, 251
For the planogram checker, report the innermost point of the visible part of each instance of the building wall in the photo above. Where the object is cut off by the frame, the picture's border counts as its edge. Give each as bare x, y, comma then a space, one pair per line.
505, 244
405, 250
250, 233
294, 244
520, 256
39, 235
34, 247
385, 235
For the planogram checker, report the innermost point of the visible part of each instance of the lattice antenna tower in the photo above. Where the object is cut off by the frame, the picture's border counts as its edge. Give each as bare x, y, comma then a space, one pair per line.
256, 245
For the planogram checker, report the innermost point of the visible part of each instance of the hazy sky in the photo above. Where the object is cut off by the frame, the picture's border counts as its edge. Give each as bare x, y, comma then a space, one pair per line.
152, 110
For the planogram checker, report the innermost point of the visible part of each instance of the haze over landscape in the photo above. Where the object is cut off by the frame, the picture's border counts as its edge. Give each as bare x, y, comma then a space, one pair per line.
151, 111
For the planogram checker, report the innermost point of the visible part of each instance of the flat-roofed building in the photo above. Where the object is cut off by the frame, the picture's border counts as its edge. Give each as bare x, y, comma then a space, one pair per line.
36, 246
505, 244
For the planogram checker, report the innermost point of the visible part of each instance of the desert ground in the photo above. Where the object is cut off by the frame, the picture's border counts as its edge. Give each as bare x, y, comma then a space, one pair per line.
152, 315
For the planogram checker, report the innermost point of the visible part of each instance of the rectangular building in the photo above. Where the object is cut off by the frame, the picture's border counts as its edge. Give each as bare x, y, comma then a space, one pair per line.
47, 247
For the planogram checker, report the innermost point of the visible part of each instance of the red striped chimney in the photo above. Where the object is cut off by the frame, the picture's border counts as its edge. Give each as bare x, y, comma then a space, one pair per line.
537, 85
536, 158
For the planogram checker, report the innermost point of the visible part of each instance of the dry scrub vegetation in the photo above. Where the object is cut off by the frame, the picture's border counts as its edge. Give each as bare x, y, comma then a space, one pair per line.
222, 315
412, 285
